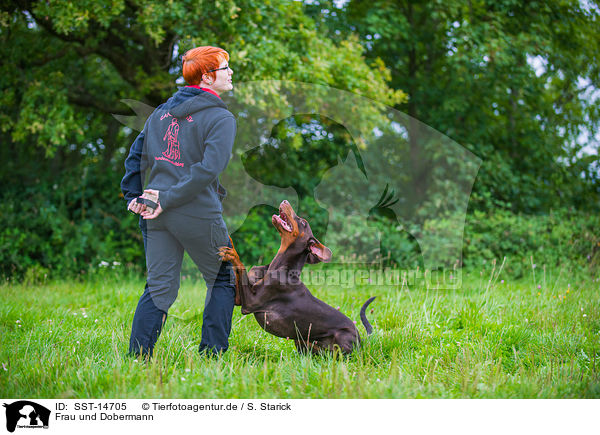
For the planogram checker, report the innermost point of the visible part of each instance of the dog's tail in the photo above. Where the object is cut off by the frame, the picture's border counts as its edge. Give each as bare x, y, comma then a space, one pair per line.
363, 316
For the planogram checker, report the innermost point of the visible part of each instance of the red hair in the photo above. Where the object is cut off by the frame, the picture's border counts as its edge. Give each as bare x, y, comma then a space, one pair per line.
198, 61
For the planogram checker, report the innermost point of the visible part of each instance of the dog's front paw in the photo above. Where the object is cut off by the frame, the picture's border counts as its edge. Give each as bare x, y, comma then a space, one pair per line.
228, 254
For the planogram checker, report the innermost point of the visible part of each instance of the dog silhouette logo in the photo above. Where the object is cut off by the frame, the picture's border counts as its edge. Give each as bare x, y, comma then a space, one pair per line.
26, 414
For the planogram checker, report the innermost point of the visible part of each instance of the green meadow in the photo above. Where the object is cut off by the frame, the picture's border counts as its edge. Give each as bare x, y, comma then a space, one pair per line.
493, 338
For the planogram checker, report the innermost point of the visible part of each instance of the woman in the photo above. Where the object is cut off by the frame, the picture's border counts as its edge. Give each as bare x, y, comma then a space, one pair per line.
186, 143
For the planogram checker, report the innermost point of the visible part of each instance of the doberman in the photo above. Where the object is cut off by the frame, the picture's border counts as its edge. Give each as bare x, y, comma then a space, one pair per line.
281, 303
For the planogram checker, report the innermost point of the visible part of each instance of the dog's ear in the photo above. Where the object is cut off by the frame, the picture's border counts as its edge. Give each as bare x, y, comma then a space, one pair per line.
318, 252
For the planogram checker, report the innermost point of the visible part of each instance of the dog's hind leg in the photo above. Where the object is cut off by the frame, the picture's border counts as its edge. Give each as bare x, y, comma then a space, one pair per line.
346, 341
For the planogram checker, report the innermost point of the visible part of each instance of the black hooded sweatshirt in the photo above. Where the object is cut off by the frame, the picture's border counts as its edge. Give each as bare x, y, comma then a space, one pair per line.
187, 143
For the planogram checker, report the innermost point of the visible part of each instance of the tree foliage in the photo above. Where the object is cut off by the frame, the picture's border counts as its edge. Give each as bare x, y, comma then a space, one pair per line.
509, 80
71, 64
514, 82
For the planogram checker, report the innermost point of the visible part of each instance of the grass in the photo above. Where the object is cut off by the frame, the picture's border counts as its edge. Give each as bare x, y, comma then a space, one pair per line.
491, 339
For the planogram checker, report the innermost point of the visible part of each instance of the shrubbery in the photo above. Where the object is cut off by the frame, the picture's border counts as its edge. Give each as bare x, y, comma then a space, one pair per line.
562, 237
51, 233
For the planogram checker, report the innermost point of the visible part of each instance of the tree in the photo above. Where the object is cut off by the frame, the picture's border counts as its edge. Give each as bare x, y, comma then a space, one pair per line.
72, 62
509, 80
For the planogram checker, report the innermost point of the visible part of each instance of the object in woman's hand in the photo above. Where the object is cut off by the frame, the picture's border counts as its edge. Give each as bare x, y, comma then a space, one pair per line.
150, 200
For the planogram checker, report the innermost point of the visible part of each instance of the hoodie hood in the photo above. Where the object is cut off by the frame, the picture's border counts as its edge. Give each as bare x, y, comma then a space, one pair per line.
188, 100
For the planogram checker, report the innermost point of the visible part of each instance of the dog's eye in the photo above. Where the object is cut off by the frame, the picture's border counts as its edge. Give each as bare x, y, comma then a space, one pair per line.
303, 222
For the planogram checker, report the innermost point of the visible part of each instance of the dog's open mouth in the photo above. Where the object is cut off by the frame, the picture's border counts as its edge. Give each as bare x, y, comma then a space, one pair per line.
283, 220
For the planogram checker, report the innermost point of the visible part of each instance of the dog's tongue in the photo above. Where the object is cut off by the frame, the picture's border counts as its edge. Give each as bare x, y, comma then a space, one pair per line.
286, 226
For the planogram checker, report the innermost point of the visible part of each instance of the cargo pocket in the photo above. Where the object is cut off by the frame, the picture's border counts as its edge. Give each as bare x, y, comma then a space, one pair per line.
218, 234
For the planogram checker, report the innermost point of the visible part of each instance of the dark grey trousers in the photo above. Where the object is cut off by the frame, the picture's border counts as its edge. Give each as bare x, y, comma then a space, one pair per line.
167, 237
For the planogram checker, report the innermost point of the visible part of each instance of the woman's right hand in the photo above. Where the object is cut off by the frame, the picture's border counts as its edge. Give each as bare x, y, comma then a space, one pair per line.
153, 195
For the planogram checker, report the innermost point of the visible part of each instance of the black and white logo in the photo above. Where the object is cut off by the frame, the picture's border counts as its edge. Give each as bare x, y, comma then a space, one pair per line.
26, 415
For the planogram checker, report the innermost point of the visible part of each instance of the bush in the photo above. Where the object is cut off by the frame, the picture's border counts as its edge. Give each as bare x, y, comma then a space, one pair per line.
51, 232
561, 238
80, 228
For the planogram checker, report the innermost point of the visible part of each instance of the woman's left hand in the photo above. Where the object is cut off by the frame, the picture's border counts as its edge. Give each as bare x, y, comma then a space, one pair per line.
151, 194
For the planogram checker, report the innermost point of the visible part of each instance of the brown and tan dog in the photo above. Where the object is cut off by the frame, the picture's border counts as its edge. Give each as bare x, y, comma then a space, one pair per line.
281, 303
